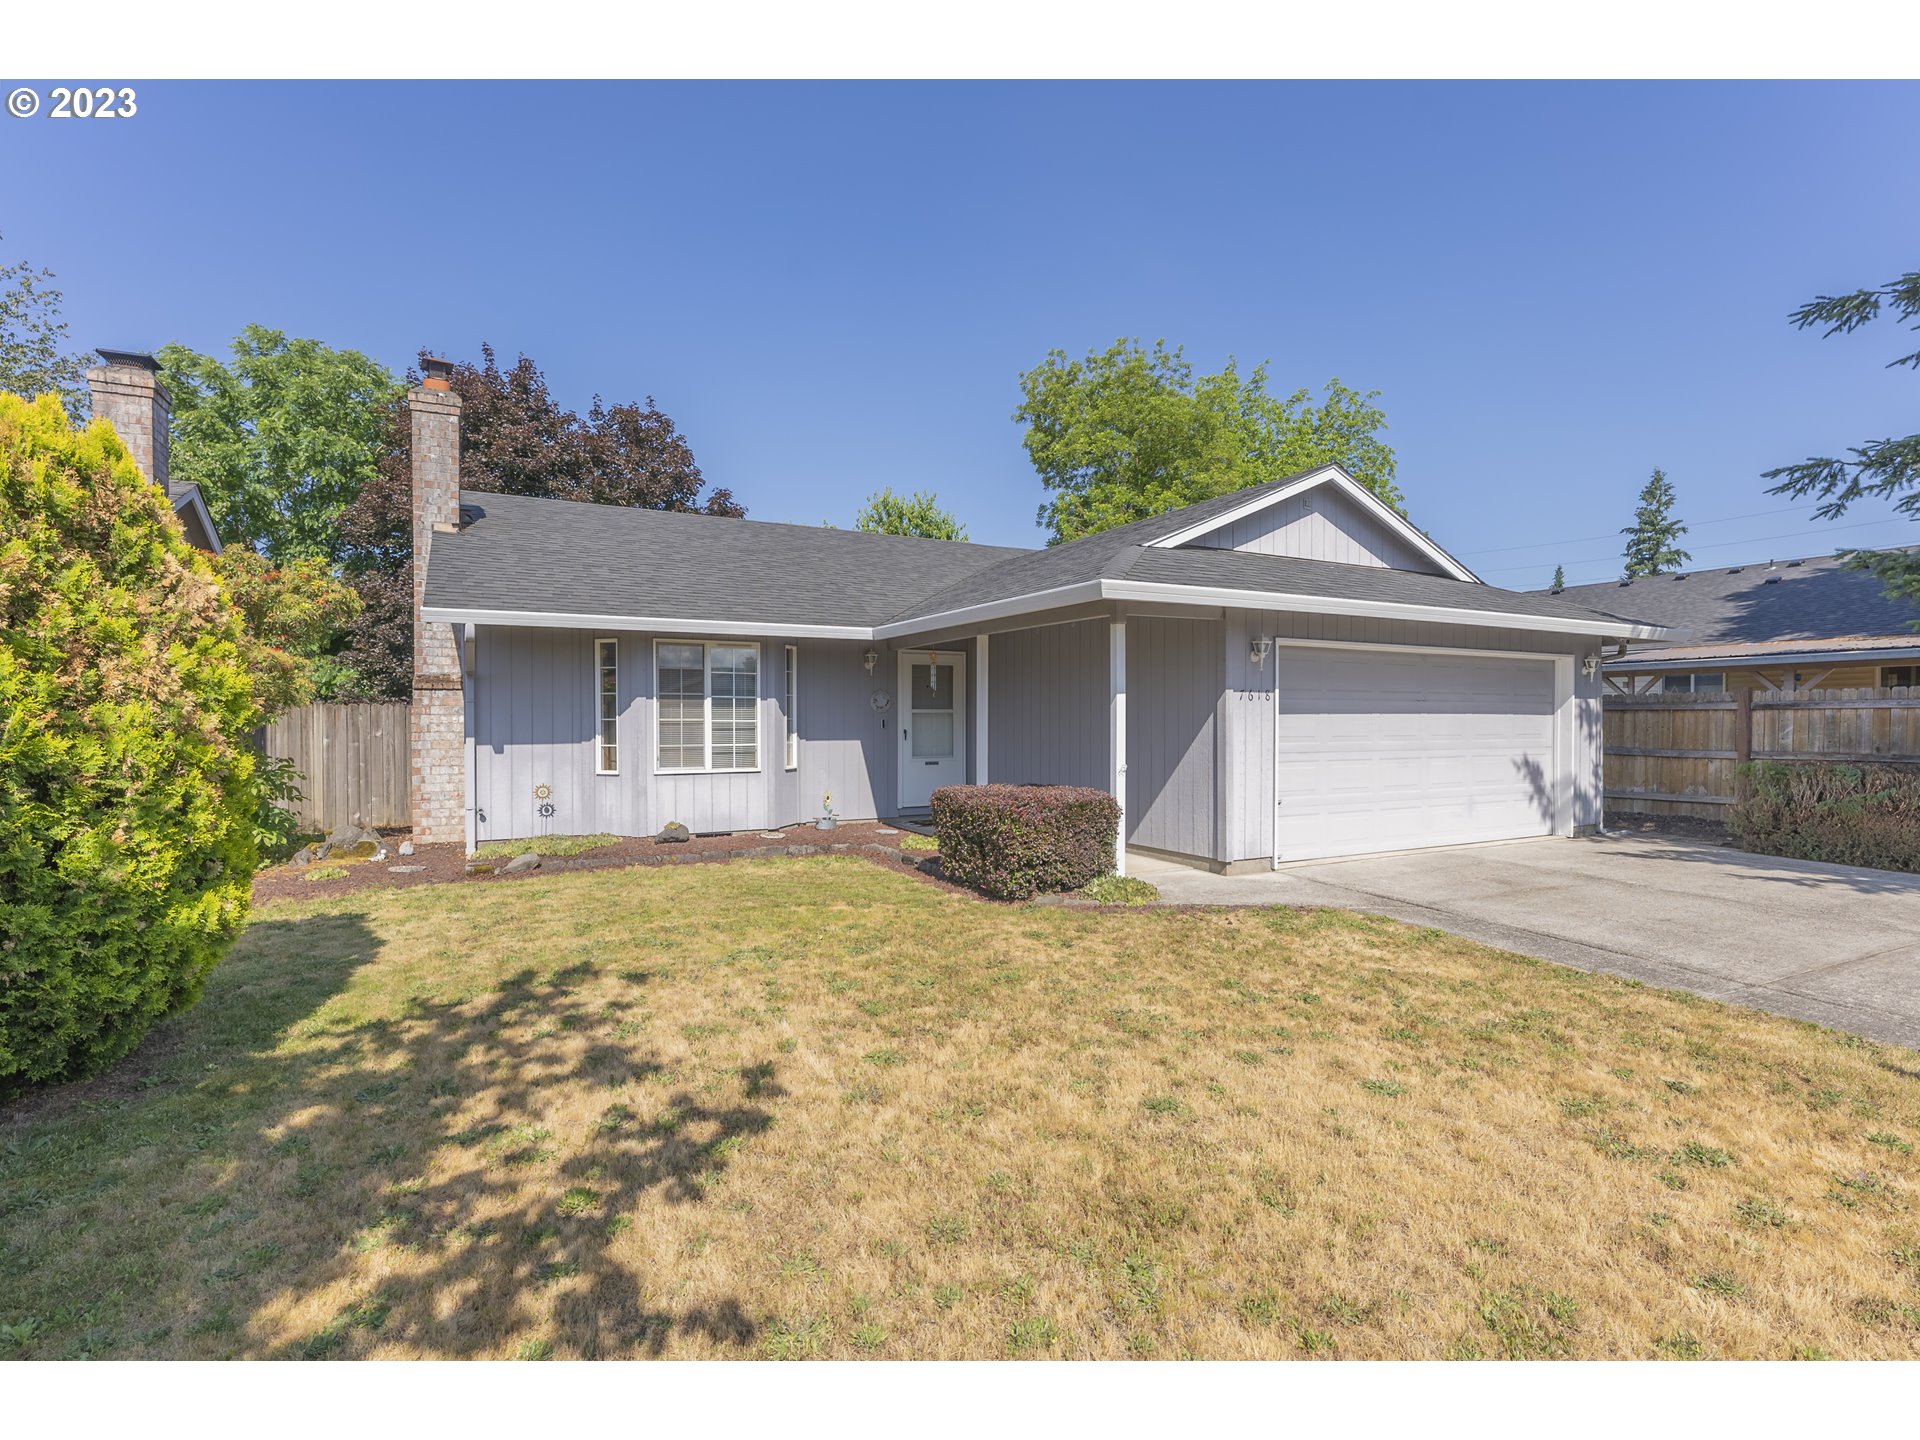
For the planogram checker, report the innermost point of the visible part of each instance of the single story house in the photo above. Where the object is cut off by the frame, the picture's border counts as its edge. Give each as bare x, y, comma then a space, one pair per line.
1773, 625
1286, 672
127, 391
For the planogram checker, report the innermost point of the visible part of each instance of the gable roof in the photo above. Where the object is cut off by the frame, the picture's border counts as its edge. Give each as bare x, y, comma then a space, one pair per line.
522, 561
1216, 514
1815, 598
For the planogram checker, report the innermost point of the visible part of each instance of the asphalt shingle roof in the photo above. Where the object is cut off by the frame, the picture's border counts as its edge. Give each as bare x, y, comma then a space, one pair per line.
1812, 599
562, 557
565, 557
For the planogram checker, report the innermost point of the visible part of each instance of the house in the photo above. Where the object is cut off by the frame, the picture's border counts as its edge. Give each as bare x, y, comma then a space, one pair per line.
1285, 672
127, 391
1777, 625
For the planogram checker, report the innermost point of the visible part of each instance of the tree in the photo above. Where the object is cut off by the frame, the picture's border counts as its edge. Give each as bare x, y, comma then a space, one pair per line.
1559, 577
296, 616
280, 440
1128, 432
1883, 468
917, 514
1653, 538
514, 439
127, 784
34, 359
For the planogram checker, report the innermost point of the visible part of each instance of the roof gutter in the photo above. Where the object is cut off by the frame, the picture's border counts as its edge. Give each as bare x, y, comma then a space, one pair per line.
1064, 595
1628, 665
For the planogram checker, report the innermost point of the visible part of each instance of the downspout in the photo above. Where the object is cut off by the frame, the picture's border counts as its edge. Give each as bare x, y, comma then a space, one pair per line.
1273, 811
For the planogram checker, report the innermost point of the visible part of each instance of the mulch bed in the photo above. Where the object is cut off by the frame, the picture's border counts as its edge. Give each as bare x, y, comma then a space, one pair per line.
447, 864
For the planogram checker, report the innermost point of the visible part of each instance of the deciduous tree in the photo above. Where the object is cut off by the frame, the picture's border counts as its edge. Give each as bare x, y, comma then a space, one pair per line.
280, 439
919, 514
516, 439
1130, 432
34, 359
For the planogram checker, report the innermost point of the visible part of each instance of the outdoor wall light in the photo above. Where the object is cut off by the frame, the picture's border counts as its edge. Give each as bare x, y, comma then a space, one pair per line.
1589, 666
870, 659
1258, 651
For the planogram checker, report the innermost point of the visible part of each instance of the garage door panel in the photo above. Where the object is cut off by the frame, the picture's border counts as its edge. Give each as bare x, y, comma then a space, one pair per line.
1389, 751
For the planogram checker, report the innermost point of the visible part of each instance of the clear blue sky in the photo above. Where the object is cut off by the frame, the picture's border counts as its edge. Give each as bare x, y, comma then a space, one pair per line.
833, 288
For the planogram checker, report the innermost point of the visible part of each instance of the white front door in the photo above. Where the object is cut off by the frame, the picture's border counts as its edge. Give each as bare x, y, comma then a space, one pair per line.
933, 724
1392, 750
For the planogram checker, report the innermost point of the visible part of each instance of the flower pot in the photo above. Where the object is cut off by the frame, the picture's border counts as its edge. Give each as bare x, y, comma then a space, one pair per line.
825, 822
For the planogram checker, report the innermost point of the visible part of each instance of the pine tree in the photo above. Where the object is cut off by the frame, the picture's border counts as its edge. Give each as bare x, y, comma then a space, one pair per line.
1653, 538
1559, 578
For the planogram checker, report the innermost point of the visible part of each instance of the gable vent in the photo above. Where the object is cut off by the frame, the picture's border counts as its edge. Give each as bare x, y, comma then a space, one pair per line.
1736, 569
1795, 564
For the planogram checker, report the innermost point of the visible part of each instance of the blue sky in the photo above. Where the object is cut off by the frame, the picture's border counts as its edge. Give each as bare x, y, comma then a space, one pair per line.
834, 287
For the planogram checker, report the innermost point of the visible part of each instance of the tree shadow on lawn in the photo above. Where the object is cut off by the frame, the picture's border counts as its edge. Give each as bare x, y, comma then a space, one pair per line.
413, 1131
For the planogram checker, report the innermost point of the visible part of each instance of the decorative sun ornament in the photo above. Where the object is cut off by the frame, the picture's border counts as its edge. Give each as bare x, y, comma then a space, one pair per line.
543, 791
881, 701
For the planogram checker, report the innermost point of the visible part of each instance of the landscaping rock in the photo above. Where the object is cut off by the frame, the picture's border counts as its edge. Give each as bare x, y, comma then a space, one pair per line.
479, 867
772, 835
883, 830
406, 847
408, 869
305, 855
519, 863
674, 834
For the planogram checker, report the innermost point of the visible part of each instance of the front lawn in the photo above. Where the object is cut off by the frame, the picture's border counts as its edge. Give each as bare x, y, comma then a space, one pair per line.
798, 1108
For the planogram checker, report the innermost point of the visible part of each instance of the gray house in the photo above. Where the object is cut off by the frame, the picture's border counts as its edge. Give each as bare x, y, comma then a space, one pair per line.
1286, 672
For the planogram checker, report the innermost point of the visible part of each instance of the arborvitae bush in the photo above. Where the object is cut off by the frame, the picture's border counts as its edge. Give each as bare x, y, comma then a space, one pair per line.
126, 774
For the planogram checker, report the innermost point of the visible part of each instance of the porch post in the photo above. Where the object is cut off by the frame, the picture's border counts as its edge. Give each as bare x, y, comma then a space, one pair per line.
1117, 725
980, 710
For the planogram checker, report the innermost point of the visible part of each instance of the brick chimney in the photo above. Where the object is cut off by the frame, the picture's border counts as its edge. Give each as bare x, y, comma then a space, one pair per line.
438, 759
127, 392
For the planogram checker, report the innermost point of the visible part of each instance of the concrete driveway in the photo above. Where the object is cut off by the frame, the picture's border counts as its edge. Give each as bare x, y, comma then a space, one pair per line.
1826, 943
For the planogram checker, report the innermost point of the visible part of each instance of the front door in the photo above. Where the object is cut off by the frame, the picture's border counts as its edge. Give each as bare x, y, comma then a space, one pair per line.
933, 724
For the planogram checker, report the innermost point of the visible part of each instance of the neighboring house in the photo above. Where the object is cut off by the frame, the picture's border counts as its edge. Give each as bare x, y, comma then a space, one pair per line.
1285, 672
127, 391
1772, 625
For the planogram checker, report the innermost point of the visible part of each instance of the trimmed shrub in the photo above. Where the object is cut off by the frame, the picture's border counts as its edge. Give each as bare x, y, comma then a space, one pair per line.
1014, 841
1846, 814
127, 794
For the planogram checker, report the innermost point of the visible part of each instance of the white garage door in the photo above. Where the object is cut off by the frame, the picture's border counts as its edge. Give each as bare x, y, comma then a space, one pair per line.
1387, 750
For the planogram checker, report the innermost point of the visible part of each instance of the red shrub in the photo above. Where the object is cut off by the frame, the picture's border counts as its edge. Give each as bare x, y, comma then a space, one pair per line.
1014, 841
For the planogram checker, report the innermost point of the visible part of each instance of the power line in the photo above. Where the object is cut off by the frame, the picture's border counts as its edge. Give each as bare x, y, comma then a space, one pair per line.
1722, 545
1583, 539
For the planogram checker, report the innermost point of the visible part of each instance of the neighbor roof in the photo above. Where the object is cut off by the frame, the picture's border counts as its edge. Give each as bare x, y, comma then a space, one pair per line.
1816, 598
551, 562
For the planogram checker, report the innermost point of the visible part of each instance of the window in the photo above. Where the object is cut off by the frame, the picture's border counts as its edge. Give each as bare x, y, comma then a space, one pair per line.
1900, 675
709, 705
1693, 684
793, 707
607, 697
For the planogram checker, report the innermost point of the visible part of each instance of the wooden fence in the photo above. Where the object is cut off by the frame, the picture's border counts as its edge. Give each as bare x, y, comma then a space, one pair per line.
354, 758
1680, 754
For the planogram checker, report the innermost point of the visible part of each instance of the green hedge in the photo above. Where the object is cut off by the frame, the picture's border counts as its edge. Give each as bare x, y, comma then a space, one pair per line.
1015, 841
127, 794
1847, 814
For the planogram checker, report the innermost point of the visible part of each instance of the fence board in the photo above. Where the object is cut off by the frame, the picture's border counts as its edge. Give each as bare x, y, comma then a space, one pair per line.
1680, 754
354, 758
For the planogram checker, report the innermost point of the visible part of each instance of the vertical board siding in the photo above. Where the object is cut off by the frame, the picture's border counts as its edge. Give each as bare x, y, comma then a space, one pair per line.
1047, 706
1175, 669
354, 759
1320, 524
1245, 731
846, 746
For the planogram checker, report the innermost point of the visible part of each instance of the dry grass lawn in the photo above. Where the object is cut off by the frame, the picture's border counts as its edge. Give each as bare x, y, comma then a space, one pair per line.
816, 1108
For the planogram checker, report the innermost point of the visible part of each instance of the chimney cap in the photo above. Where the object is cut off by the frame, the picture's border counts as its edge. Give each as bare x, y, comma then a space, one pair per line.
138, 359
437, 373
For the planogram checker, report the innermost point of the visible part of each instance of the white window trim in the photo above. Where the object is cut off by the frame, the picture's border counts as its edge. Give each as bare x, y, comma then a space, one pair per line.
706, 702
790, 703
599, 720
